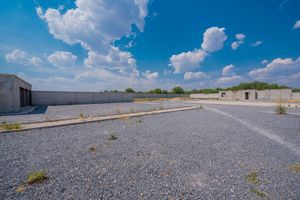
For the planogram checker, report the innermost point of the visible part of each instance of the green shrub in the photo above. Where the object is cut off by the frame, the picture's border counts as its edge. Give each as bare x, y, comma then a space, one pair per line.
280, 109
37, 177
10, 127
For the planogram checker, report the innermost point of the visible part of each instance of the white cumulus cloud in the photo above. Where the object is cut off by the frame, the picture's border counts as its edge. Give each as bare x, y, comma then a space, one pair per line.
213, 39
240, 40
257, 43
195, 75
227, 69
150, 75
62, 58
229, 80
187, 61
22, 57
297, 24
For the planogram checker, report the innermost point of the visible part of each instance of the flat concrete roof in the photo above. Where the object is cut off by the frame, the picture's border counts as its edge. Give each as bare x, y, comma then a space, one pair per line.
14, 76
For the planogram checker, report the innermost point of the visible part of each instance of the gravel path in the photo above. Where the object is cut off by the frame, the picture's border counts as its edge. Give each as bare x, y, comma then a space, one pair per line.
199, 154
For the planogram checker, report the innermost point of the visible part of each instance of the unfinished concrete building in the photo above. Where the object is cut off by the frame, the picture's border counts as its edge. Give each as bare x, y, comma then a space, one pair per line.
15, 93
257, 95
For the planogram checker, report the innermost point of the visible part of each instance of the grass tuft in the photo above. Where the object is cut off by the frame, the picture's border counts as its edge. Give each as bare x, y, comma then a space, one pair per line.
258, 193
112, 137
295, 168
280, 109
21, 188
10, 127
252, 178
37, 177
81, 115
93, 148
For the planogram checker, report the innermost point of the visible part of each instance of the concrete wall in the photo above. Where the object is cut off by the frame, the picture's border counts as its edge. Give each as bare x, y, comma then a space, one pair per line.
296, 96
66, 98
10, 92
204, 96
256, 95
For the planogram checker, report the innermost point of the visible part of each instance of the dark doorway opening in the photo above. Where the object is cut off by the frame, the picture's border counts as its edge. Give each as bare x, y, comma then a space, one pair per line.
256, 95
246, 95
25, 97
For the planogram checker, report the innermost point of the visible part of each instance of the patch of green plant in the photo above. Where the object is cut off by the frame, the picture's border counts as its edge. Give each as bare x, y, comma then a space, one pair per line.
139, 121
258, 193
252, 178
37, 177
295, 168
113, 137
280, 109
10, 127
81, 115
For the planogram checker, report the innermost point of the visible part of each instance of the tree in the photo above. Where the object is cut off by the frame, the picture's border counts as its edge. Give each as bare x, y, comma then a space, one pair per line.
157, 91
165, 92
129, 90
177, 90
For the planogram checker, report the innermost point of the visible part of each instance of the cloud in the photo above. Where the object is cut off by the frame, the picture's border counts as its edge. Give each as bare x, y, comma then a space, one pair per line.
278, 68
195, 75
116, 60
213, 39
62, 58
22, 57
257, 43
264, 61
150, 75
187, 61
227, 69
95, 24
297, 24
240, 40
229, 80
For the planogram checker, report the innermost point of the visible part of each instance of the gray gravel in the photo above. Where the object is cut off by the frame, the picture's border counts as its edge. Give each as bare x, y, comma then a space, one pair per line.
197, 154
74, 111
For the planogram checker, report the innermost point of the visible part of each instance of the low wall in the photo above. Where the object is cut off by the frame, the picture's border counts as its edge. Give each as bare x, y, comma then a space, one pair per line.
296, 96
69, 98
204, 96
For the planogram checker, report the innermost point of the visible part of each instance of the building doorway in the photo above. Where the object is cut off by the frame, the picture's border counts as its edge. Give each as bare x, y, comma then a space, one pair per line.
246, 95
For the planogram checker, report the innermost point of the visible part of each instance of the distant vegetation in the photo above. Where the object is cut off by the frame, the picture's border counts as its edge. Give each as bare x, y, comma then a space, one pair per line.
242, 86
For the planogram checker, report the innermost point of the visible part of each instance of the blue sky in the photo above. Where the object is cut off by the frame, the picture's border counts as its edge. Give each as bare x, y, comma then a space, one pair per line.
97, 45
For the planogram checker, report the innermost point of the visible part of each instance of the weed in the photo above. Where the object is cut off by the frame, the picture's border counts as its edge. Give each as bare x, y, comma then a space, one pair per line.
252, 178
131, 110
9, 127
93, 148
37, 177
81, 115
280, 109
295, 168
258, 193
118, 111
161, 107
21, 188
112, 137
139, 121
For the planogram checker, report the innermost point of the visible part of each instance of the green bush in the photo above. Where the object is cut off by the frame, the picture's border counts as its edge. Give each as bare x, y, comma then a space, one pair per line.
280, 109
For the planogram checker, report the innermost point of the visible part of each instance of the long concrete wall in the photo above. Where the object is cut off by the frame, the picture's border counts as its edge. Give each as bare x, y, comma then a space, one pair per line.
296, 96
68, 98
204, 96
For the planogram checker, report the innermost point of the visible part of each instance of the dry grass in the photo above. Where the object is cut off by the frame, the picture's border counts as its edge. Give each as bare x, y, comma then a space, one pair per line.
37, 177
10, 127
280, 109
93, 148
112, 137
295, 168
252, 178
21, 188
258, 193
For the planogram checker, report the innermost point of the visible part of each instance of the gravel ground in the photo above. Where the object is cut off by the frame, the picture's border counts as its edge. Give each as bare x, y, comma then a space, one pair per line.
198, 154
74, 111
